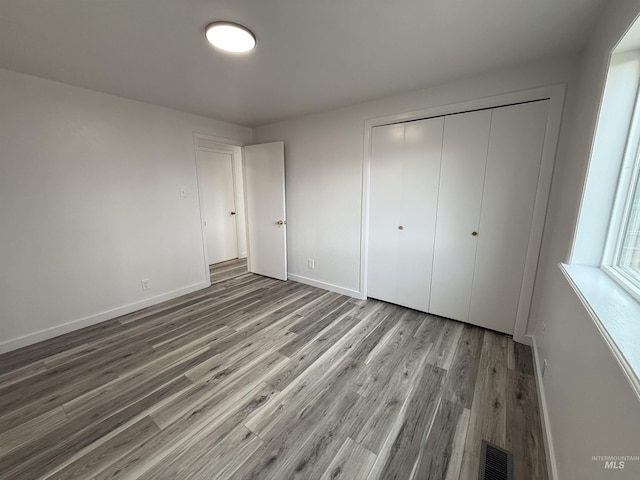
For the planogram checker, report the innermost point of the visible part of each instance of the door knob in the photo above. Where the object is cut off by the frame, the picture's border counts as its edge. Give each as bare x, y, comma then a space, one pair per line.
281, 222
233, 213
400, 227
475, 234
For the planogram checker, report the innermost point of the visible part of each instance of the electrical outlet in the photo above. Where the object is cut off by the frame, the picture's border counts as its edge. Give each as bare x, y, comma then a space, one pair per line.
146, 284
544, 368
311, 263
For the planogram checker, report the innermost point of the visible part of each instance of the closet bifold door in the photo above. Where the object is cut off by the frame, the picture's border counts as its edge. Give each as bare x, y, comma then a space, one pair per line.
509, 194
387, 146
418, 207
405, 170
464, 159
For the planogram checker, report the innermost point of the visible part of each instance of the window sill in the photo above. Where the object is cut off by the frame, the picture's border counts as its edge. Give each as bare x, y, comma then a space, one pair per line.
615, 313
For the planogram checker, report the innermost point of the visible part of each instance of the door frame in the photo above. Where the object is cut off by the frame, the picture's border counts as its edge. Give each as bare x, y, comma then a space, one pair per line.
209, 143
555, 94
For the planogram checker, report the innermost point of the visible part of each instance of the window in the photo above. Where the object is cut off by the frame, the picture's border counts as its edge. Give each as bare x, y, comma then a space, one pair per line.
622, 255
628, 258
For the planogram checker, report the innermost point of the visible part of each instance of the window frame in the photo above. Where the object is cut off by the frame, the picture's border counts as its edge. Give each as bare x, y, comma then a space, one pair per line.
628, 182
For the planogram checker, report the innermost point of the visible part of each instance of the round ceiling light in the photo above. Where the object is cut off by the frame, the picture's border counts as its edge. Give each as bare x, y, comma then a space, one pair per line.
230, 37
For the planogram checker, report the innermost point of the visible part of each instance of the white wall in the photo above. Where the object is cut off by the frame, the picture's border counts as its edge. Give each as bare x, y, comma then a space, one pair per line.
591, 407
324, 157
90, 205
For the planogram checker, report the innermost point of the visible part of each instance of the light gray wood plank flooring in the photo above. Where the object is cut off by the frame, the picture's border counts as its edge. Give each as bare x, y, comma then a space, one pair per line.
255, 378
227, 270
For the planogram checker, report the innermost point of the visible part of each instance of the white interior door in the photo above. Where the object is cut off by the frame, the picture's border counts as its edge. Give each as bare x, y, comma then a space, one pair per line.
511, 180
266, 212
464, 159
215, 172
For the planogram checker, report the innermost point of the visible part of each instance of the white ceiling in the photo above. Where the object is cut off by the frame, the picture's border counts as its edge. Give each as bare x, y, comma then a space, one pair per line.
312, 55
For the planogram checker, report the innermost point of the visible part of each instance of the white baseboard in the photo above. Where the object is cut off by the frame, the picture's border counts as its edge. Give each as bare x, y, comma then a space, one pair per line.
242, 255
51, 332
524, 339
324, 285
546, 425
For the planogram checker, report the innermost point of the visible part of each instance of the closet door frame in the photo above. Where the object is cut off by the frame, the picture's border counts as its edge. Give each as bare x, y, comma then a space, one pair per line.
555, 95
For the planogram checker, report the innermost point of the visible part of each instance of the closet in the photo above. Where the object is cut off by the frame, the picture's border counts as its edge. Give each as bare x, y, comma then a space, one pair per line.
451, 205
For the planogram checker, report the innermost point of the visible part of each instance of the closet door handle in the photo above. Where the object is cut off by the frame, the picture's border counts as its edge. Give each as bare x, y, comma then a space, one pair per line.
475, 234
400, 227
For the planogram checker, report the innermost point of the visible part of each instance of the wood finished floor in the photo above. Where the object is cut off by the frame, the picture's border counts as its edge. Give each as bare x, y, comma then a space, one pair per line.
255, 378
227, 270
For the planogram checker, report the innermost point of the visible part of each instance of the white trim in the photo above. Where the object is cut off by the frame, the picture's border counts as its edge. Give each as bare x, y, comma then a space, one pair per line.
74, 325
222, 140
246, 217
228, 151
552, 468
622, 278
470, 105
555, 94
526, 340
554, 118
203, 233
325, 286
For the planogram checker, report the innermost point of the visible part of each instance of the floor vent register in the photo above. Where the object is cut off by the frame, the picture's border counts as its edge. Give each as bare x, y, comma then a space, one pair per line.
495, 463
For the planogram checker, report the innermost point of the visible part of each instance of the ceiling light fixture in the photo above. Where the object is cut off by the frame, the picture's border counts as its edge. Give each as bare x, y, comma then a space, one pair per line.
230, 37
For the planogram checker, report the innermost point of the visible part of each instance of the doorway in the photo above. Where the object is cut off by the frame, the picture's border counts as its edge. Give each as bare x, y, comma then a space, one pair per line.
222, 209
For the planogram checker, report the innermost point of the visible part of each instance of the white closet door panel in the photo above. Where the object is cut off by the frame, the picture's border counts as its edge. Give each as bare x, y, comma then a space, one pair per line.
419, 201
513, 166
384, 207
464, 155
